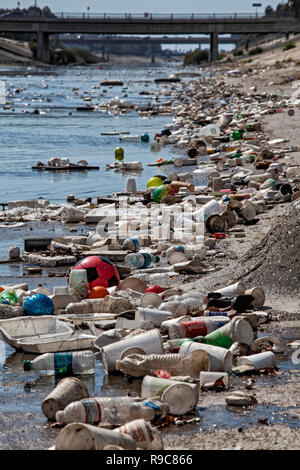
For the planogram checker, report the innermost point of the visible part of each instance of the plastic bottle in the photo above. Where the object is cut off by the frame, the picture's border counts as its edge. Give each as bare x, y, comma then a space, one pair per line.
85, 306
63, 364
131, 244
116, 410
9, 297
140, 260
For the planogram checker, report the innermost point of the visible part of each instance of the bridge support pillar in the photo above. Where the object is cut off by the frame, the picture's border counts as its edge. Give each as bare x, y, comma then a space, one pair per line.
152, 54
214, 47
43, 49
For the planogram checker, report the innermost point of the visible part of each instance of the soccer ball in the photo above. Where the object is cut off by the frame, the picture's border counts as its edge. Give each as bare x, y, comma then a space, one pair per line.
100, 271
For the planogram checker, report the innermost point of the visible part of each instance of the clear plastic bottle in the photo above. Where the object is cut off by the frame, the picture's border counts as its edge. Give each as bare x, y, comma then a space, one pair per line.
116, 410
63, 364
140, 260
131, 244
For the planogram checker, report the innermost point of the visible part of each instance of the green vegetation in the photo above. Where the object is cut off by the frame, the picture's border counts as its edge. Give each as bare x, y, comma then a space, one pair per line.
195, 58
256, 50
33, 47
289, 45
238, 52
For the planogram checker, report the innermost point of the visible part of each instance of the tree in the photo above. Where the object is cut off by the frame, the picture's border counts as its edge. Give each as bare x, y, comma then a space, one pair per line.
269, 11
295, 5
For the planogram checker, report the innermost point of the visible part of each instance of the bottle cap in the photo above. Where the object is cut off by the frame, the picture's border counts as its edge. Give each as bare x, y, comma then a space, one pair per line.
27, 365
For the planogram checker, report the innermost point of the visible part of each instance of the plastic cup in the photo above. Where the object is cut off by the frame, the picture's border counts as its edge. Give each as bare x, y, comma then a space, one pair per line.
220, 358
181, 397
264, 360
237, 329
149, 342
80, 436
144, 435
212, 377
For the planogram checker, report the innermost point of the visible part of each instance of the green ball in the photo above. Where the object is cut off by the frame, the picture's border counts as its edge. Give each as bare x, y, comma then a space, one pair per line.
154, 182
159, 193
119, 153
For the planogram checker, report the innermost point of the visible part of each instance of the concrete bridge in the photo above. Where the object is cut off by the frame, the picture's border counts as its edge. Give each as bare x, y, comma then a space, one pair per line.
148, 43
147, 24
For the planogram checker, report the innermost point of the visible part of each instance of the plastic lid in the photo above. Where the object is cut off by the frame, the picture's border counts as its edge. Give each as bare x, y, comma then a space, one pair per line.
27, 365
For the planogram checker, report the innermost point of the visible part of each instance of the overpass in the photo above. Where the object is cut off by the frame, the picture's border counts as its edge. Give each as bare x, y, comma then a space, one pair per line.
147, 24
147, 42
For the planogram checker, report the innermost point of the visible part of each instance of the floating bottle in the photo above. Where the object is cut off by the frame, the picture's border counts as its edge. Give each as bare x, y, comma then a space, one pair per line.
116, 410
63, 364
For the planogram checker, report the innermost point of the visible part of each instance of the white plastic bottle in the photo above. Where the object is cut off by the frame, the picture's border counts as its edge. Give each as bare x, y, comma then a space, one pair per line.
64, 363
116, 410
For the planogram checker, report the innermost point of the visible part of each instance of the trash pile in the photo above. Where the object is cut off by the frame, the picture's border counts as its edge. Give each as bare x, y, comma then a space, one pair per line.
126, 303
181, 344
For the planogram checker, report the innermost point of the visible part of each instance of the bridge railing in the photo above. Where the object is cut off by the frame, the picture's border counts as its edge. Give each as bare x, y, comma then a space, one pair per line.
162, 16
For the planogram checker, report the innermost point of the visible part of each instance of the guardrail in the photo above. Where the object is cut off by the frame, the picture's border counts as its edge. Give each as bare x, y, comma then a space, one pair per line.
149, 16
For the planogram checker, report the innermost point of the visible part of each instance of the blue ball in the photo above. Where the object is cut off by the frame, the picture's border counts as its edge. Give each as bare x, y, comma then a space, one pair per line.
145, 138
38, 304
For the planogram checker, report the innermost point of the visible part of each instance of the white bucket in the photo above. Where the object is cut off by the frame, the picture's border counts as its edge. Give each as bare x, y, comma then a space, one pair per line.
234, 289
153, 316
264, 360
149, 342
220, 358
80, 436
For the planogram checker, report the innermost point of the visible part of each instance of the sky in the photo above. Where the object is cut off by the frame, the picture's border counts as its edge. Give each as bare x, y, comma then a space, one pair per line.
140, 6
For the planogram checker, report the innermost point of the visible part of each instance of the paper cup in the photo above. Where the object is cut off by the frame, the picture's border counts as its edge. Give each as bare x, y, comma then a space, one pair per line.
67, 390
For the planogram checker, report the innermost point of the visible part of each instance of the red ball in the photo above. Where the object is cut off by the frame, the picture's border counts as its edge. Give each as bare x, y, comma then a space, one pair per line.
98, 292
155, 288
100, 272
